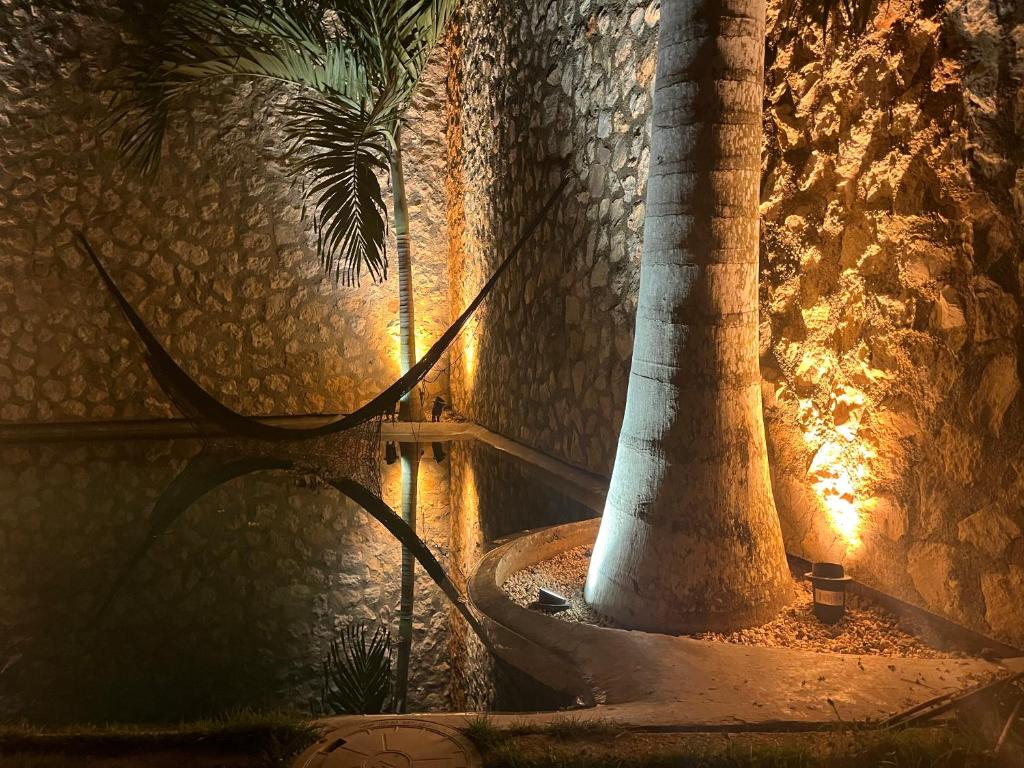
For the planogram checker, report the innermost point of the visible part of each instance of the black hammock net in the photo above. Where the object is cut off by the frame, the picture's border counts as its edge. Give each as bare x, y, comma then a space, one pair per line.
349, 443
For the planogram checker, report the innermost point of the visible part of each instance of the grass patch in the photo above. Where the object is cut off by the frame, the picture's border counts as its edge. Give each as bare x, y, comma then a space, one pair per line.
242, 738
483, 732
588, 744
486, 734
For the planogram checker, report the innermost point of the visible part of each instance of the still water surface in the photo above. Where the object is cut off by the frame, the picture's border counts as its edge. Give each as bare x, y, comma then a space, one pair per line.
113, 610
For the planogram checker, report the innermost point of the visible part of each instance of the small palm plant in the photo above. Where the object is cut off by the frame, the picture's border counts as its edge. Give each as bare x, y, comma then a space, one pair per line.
357, 671
350, 66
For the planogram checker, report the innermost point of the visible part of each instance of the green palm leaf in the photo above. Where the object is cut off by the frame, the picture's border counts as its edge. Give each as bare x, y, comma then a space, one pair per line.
339, 136
394, 38
343, 150
204, 40
351, 65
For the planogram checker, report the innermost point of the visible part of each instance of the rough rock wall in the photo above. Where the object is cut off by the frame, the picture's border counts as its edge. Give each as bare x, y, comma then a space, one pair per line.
213, 251
892, 330
893, 194
547, 360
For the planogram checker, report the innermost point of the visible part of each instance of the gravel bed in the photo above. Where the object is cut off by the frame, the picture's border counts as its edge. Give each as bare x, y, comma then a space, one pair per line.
866, 628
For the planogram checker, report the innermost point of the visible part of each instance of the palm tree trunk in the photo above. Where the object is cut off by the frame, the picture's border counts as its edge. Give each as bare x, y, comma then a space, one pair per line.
690, 539
410, 480
408, 409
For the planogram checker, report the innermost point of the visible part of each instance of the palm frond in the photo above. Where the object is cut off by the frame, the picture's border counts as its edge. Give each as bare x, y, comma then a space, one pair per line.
394, 38
342, 151
339, 130
357, 671
352, 64
205, 40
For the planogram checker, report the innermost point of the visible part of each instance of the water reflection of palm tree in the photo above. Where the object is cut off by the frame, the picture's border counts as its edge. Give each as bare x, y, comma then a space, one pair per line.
410, 453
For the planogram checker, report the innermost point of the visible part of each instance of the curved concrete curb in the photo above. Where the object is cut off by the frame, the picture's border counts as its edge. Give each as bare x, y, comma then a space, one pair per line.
523, 637
487, 595
661, 680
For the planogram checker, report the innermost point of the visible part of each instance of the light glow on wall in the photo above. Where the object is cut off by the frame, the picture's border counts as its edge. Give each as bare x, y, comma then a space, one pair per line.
838, 473
395, 332
841, 467
469, 351
421, 342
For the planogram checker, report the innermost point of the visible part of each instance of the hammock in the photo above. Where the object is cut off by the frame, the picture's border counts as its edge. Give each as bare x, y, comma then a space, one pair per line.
196, 402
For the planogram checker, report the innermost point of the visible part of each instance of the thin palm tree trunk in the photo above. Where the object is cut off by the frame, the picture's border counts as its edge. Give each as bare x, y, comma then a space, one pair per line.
408, 408
690, 539
410, 462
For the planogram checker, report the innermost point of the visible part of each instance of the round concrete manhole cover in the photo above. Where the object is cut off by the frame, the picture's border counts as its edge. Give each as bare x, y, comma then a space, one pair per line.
391, 744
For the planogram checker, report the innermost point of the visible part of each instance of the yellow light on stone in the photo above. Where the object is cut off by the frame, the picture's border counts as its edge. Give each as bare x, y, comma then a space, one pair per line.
469, 351
837, 473
394, 331
420, 341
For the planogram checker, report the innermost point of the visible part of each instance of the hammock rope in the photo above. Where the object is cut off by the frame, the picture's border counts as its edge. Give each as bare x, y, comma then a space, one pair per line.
196, 403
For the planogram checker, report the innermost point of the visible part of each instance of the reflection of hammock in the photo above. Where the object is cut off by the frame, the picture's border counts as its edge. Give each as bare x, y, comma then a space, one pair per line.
194, 401
212, 468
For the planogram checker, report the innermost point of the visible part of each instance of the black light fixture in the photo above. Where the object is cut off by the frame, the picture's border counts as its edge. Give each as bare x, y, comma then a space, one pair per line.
829, 582
390, 453
550, 602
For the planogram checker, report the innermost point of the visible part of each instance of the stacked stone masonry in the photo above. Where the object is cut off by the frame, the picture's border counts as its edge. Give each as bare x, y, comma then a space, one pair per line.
214, 251
892, 232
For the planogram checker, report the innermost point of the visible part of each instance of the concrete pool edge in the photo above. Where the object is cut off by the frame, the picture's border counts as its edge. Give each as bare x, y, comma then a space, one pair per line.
169, 428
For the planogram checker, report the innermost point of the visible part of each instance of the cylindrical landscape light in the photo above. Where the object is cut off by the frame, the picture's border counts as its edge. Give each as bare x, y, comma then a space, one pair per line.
829, 582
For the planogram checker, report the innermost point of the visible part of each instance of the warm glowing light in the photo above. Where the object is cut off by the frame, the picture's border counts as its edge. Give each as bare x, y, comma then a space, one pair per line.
395, 332
468, 538
847, 405
841, 465
470, 498
469, 350
838, 474
838, 493
422, 341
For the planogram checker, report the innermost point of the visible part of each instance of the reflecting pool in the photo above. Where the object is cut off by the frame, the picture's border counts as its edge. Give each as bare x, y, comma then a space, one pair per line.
157, 580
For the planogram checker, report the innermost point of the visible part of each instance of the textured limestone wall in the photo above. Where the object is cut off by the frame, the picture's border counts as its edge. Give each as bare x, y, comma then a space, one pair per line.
892, 335
214, 251
548, 359
893, 199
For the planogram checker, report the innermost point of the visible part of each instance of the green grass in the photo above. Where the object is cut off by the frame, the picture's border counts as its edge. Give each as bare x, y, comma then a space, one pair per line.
483, 731
262, 738
588, 744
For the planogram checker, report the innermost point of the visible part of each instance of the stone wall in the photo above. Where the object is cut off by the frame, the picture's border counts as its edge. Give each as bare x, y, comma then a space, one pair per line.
547, 360
893, 199
214, 251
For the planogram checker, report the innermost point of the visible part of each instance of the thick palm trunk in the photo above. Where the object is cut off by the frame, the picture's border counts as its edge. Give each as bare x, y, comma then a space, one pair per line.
410, 453
408, 409
690, 539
